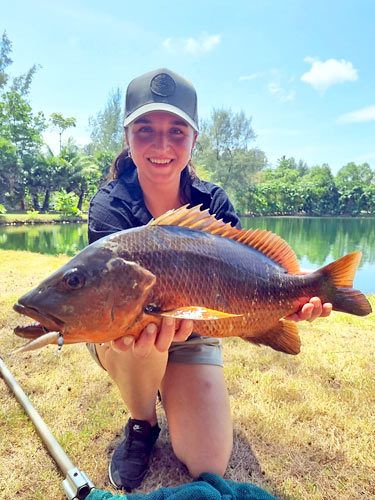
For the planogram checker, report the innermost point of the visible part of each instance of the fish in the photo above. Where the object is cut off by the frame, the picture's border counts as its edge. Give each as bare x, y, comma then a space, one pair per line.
185, 264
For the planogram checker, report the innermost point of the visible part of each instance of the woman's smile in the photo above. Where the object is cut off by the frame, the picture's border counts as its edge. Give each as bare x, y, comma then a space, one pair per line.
160, 161
160, 144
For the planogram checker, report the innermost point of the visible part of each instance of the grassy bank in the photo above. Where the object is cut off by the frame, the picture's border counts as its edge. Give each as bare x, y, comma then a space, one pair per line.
24, 218
304, 425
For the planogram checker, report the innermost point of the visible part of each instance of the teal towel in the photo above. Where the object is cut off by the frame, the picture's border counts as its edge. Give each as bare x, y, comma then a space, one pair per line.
207, 487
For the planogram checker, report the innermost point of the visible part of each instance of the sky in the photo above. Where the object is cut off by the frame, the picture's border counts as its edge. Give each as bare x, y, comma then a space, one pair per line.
303, 71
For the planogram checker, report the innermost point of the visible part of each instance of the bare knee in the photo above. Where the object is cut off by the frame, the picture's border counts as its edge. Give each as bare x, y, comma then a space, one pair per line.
209, 458
215, 465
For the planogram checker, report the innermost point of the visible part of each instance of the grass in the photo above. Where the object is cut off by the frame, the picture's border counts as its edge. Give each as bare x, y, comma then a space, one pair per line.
304, 425
23, 218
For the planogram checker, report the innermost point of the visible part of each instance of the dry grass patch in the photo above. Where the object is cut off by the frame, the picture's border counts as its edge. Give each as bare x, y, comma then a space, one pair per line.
303, 424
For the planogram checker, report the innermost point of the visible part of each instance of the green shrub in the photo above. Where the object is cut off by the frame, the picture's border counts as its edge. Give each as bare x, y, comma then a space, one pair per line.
66, 203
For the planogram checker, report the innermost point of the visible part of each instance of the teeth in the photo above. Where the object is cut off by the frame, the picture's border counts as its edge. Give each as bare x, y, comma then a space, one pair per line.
159, 161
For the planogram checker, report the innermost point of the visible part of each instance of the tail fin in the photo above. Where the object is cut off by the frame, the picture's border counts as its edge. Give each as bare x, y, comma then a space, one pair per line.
341, 274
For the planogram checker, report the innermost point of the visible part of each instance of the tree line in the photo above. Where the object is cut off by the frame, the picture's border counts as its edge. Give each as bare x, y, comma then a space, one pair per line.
33, 177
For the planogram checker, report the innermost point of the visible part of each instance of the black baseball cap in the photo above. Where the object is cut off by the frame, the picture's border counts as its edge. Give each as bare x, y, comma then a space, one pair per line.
161, 90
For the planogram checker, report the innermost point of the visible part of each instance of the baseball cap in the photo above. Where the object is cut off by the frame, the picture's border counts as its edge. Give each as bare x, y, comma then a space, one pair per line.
161, 90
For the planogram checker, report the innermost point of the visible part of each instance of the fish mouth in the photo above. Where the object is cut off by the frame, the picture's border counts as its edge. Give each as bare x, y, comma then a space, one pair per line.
44, 323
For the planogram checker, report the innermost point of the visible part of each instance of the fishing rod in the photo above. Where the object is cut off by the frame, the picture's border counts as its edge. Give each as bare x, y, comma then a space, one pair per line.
76, 484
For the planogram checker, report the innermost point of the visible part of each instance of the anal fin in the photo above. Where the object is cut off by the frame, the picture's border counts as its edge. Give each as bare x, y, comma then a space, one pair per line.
197, 313
282, 337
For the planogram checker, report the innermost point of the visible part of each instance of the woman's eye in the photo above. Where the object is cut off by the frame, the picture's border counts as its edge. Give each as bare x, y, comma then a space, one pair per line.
176, 131
145, 129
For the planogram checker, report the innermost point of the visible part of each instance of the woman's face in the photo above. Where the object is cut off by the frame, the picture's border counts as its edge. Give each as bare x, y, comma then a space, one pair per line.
160, 144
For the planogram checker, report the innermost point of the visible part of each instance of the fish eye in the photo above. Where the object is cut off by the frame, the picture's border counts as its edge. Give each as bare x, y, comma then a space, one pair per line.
74, 279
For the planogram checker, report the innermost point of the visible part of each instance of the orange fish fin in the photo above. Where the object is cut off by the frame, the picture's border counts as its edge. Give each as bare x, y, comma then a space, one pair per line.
282, 337
342, 271
269, 244
341, 274
197, 313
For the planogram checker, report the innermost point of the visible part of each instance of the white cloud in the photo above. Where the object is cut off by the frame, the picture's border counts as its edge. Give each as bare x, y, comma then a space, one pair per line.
280, 93
253, 76
202, 44
360, 115
323, 75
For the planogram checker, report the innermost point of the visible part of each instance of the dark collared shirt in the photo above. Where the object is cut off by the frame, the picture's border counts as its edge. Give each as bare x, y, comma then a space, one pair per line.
120, 205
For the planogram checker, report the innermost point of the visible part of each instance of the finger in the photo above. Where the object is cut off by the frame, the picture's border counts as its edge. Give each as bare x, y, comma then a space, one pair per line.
166, 334
184, 331
327, 309
305, 314
293, 317
145, 342
122, 344
317, 309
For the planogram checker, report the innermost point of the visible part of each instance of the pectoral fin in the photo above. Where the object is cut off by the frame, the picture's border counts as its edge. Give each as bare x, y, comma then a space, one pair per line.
282, 337
197, 313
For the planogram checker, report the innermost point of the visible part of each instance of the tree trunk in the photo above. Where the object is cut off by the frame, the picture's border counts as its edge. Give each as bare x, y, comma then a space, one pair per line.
80, 199
35, 201
45, 206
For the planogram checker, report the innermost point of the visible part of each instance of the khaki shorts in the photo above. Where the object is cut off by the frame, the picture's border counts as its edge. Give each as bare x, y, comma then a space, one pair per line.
197, 349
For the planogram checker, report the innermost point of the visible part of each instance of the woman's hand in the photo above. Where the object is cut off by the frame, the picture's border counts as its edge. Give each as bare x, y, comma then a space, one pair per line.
170, 331
311, 310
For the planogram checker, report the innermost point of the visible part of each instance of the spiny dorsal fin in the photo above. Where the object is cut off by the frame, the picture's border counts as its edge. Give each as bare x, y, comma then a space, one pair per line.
269, 244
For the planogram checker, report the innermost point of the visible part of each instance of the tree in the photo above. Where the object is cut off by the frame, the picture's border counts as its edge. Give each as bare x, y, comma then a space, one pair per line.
21, 132
319, 191
352, 183
84, 173
5, 60
21, 84
61, 124
8, 170
107, 132
223, 150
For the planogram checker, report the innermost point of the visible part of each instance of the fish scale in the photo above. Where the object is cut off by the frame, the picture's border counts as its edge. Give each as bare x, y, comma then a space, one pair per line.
187, 264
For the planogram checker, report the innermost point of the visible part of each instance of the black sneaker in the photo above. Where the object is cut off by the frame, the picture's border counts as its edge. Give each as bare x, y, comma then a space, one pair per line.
129, 461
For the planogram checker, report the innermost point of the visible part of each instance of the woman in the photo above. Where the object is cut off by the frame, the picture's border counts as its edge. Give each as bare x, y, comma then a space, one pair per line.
152, 175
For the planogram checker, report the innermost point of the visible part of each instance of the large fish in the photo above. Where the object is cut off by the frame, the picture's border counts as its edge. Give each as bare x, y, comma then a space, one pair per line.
185, 264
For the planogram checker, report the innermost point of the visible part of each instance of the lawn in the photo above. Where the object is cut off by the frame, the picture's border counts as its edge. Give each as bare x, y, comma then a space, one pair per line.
36, 218
304, 425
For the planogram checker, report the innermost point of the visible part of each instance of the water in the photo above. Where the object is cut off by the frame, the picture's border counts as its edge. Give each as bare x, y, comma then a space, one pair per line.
320, 240
316, 241
51, 239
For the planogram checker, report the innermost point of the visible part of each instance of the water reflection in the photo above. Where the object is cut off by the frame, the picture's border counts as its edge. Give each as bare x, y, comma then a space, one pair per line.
51, 239
316, 241
319, 239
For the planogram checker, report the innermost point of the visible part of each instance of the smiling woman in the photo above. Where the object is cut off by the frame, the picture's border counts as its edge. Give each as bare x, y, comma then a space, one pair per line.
161, 146
152, 175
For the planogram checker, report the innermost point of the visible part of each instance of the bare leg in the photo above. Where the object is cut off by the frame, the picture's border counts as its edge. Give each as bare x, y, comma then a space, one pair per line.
196, 403
138, 379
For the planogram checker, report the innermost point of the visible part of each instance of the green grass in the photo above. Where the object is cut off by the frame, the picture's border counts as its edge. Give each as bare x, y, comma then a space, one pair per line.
23, 218
303, 425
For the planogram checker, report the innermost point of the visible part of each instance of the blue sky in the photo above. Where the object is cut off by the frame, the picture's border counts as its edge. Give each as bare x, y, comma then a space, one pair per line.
304, 71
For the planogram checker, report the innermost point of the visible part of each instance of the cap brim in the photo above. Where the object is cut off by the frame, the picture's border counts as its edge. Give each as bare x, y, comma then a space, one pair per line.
160, 106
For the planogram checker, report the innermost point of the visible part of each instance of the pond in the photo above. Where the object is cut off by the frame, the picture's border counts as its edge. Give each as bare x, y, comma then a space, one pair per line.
315, 240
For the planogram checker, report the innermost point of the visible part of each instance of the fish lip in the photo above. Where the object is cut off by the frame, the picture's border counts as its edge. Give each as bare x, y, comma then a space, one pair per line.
48, 323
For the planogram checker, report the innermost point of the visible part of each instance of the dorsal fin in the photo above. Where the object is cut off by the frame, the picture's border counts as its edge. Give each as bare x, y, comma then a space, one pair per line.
269, 244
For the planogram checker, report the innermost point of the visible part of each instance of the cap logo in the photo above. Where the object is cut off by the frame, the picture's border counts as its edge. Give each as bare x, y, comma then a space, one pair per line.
163, 85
